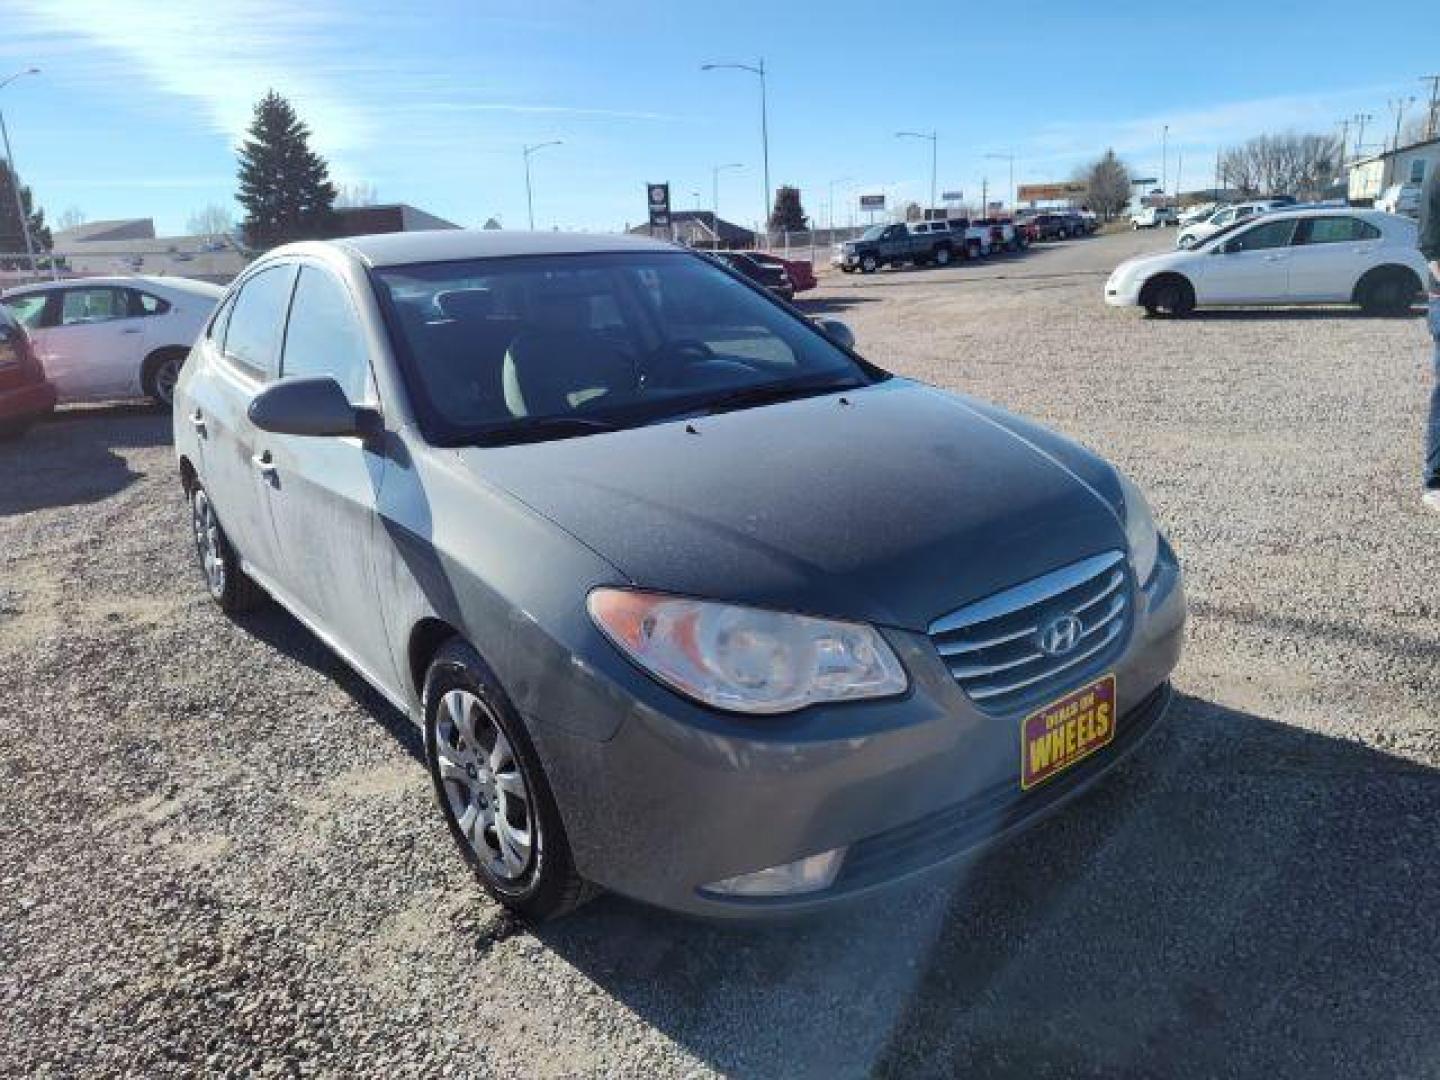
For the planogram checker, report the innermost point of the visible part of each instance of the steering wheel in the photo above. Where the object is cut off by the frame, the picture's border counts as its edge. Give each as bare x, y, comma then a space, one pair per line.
668, 359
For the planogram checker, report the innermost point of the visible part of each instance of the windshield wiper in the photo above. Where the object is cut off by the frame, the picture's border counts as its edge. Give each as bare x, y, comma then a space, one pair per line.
541, 428
769, 393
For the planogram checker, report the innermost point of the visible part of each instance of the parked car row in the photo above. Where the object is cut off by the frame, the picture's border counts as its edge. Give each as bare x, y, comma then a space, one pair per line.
938, 243
783, 277
1310, 255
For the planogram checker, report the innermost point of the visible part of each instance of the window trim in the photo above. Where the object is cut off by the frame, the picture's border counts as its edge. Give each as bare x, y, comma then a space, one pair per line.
1307, 229
58, 313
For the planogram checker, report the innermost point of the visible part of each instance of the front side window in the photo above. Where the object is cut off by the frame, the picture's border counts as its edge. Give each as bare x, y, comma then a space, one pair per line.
1270, 234
323, 336
252, 337
493, 347
81, 306
1336, 230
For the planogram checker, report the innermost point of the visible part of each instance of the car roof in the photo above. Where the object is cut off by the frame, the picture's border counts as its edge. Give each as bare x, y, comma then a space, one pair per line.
453, 245
134, 281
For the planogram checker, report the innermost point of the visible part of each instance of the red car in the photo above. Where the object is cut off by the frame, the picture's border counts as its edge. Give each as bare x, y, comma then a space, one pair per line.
801, 271
25, 394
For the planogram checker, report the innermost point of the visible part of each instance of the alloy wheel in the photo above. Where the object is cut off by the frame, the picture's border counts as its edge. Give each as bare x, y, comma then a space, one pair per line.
206, 528
166, 376
485, 788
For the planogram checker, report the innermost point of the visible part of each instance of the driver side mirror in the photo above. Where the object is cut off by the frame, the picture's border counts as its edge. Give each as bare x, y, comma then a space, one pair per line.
313, 405
837, 331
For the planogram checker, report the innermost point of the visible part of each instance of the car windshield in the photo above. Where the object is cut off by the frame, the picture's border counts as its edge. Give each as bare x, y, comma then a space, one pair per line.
1217, 238
520, 349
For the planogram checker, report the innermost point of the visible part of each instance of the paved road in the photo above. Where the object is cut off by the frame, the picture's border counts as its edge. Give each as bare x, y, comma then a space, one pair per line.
218, 853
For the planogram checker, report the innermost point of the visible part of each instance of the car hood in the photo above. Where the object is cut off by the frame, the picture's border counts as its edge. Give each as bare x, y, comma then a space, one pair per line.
893, 504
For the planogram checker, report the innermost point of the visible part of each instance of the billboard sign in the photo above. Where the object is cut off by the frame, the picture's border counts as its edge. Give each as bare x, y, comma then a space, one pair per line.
659, 197
1050, 192
952, 196
872, 202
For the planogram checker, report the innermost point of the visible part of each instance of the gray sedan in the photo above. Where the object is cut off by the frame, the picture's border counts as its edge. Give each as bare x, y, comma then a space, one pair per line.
690, 600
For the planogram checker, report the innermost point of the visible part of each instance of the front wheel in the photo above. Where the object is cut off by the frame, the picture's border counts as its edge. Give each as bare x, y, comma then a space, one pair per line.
492, 790
1171, 296
162, 374
1391, 293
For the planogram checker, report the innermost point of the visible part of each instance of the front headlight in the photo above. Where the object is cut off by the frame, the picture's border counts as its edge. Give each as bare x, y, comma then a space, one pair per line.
747, 659
1141, 535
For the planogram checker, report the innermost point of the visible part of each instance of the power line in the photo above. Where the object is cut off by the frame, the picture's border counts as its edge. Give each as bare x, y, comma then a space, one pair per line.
1432, 127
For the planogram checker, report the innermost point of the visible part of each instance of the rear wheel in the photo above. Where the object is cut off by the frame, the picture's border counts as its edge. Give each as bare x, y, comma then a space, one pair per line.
869, 264
941, 256
228, 584
1388, 291
162, 372
1172, 296
492, 790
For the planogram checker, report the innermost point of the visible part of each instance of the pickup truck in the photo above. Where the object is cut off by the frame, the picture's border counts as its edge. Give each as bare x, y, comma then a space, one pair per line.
917, 242
1154, 217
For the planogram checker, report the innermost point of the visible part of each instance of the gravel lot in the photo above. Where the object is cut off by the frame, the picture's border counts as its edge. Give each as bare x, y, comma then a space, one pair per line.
220, 853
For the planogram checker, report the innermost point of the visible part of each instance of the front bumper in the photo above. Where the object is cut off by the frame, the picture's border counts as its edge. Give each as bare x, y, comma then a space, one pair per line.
32, 399
682, 797
1122, 292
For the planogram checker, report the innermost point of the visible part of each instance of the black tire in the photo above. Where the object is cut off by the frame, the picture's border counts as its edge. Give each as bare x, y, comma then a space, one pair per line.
162, 369
230, 587
1171, 296
548, 887
1388, 291
869, 264
941, 256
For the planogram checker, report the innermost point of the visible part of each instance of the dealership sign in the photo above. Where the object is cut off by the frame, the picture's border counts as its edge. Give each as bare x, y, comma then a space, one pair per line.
952, 196
659, 196
1048, 192
872, 202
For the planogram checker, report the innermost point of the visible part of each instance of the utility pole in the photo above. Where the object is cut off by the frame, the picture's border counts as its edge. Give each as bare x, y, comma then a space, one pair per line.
15, 183
1432, 126
1164, 156
1361, 119
1399, 106
1179, 168
529, 193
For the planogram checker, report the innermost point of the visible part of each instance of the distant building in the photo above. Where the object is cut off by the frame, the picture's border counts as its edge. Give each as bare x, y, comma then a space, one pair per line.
121, 229
1370, 177
701, 229
387, 218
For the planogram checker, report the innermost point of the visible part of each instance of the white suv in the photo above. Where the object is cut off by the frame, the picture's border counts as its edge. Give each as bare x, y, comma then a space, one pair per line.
1154, 217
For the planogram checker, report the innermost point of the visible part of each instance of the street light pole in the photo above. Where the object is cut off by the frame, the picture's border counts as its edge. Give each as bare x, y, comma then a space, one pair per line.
759, 71
934, 138
1164, 158
1011, 159
715, 171
15, 181
529, 194
830, 206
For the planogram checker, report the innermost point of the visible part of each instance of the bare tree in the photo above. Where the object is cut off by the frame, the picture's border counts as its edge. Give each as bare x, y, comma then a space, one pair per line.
1287, 164
1107, 185
360, 193
212, 221
72, 218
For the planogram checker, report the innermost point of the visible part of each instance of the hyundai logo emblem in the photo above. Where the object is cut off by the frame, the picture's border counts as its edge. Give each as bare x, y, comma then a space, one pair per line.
1060, 635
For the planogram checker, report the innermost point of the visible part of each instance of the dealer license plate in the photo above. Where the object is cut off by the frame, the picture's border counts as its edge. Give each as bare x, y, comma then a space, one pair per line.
1066, 731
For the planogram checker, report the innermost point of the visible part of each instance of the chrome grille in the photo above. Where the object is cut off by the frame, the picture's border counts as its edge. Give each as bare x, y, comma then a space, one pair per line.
992, 646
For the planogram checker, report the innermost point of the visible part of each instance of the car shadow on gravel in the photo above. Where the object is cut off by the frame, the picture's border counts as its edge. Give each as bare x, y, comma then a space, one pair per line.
828, 305
1293, 314
277, 628
1242, 898
73, 458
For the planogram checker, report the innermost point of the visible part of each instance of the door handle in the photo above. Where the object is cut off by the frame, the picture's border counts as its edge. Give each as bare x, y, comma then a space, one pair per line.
265, 464
197, 421
132, 330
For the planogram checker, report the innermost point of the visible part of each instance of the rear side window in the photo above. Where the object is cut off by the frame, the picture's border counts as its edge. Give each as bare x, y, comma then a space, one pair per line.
1336, 230
28, 309
93, 305
252, 337
323, 336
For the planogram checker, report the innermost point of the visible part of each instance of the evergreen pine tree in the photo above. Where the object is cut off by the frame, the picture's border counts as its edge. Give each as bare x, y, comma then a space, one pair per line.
12, 236
788, 215
284, 185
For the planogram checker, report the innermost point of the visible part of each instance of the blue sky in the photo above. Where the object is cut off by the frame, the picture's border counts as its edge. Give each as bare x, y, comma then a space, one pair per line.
139, 105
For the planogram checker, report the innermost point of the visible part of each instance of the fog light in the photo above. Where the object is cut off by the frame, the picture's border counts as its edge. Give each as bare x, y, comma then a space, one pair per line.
802, 876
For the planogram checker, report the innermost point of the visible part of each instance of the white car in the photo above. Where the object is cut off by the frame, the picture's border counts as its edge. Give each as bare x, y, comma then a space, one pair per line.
104, 338
1316, 256
1196, 231
1198, 213
1153, 217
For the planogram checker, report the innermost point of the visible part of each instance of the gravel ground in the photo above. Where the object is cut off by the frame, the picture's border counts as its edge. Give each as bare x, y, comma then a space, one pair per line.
220, 855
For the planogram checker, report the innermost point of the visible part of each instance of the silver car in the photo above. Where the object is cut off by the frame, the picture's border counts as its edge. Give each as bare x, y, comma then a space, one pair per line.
691, 601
